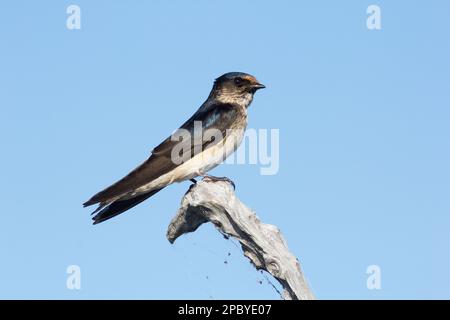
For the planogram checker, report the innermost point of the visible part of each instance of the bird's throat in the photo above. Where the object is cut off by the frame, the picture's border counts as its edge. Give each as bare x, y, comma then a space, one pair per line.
243, 100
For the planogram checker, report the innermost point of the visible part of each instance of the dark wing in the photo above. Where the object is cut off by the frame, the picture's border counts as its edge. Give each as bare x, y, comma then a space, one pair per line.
219, 116
151, 169
117, 207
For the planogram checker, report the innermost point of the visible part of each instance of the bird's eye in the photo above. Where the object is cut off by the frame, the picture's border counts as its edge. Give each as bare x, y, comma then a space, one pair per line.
238, 82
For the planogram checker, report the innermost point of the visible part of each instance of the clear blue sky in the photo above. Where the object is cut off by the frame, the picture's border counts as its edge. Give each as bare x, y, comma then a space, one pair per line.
364, 156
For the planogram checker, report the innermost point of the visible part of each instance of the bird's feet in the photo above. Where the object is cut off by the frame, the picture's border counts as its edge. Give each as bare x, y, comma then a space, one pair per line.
194, 183
213, 178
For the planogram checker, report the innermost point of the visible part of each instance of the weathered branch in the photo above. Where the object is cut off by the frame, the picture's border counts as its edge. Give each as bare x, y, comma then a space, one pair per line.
263, 244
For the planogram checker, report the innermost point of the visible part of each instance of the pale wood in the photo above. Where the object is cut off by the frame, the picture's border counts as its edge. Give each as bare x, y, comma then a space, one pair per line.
263, 244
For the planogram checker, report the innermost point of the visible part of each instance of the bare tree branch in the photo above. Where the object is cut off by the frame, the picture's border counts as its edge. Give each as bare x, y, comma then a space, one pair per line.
263, 244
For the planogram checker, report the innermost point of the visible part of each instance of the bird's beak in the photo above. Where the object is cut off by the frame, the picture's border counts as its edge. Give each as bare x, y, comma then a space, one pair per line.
258, 86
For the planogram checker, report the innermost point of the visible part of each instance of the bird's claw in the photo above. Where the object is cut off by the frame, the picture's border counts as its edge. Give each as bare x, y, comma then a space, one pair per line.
213, 178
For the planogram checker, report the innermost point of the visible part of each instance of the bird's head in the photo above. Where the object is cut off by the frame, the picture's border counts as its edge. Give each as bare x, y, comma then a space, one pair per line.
236, 87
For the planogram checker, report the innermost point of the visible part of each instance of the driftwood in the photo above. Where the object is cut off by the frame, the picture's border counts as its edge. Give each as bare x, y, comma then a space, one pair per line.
263, 244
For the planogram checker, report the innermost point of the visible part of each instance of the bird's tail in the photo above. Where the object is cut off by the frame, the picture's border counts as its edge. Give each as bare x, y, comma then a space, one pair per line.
117, 207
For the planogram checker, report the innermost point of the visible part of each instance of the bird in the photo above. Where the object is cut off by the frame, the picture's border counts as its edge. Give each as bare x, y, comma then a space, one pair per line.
223, 114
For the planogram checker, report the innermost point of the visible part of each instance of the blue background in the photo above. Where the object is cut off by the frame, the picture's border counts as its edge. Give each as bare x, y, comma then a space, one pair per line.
364, 144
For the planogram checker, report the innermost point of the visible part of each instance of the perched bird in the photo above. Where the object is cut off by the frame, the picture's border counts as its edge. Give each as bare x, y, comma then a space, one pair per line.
224, 113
